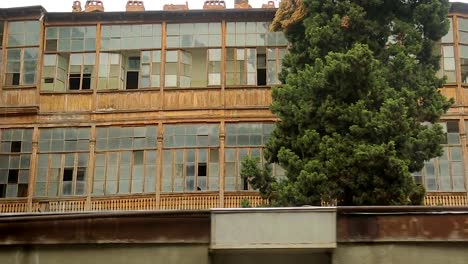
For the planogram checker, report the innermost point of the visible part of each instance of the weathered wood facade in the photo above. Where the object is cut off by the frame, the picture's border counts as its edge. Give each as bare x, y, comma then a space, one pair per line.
169, 134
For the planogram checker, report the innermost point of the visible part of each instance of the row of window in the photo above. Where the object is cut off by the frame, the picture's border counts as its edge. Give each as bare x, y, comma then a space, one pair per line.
142, 36
131, 57
126, 159
134, 70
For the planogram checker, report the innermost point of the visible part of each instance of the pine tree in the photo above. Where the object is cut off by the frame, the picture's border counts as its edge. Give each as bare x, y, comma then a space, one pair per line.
359, 90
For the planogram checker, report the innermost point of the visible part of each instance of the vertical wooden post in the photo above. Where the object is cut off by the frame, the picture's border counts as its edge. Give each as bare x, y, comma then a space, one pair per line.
223, 63
94, 103
3, 54
222, 131
42, 41
222, 136
162, 81
463, 141
459, 98
92, 161
33, 166
160, 165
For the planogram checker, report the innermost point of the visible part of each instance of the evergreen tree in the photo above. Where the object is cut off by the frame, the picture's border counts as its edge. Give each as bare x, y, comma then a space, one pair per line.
359, 90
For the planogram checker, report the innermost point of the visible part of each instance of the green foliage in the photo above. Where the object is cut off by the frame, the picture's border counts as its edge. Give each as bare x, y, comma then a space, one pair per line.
259, 178
358, 86
245, 203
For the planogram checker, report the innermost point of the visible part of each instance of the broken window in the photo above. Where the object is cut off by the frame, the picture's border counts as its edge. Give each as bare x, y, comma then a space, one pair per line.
15, 158
191, 158
63, 160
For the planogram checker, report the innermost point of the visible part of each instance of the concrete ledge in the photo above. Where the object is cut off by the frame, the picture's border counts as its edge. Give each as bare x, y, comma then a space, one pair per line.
273, 228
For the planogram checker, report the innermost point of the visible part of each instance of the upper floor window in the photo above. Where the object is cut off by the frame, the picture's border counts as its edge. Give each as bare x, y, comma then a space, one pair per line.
70, 39
463, 41
131, 58
21, 66
193, 35
69, 62
193, 68
15, 158
23, 33
129, 70
1, 32
274, 64
252, 34
447, 63
22, 56
131, 37
65, 71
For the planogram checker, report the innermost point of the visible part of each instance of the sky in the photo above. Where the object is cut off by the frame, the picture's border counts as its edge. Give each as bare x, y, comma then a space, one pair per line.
116, 5
119, 5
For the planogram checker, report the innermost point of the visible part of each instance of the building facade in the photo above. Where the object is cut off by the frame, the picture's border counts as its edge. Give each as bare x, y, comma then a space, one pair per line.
144, 110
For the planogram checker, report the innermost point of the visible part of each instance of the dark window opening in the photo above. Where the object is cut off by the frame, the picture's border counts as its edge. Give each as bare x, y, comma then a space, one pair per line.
13, 78
74, 81
51, 45
452, 127
245, 185
2, 190
201, 169
86, 82
16, 146
80, 174
49, 80
261, 77
132, 80
16, 79
133, 71
22, 190
68, 175
261, 69
13, 176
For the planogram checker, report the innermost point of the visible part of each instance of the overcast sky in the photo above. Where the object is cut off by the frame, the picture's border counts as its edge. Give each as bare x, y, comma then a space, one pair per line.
119, 5
115, 5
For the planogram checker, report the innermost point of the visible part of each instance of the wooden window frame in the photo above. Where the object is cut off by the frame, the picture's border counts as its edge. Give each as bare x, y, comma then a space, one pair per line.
106, 152
50, 153
436, 162
22, 70
19, 154
196, 162
144, 188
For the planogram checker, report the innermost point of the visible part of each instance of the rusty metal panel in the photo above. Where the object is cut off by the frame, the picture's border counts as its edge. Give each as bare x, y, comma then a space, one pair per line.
134, 227
402, 224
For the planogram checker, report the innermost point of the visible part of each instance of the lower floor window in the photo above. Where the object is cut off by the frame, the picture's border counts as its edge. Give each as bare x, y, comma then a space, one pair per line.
124, 172
14, 175
445, 173
189, 170
61, 174
233, 166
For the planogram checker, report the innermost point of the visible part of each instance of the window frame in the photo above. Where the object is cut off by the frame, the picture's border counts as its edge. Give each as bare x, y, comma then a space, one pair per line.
447, 158
21, 155
47, 151
106, 152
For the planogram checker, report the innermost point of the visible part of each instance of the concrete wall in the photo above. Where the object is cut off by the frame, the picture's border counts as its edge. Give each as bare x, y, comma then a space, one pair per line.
103, 254
268, 257
401, 253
